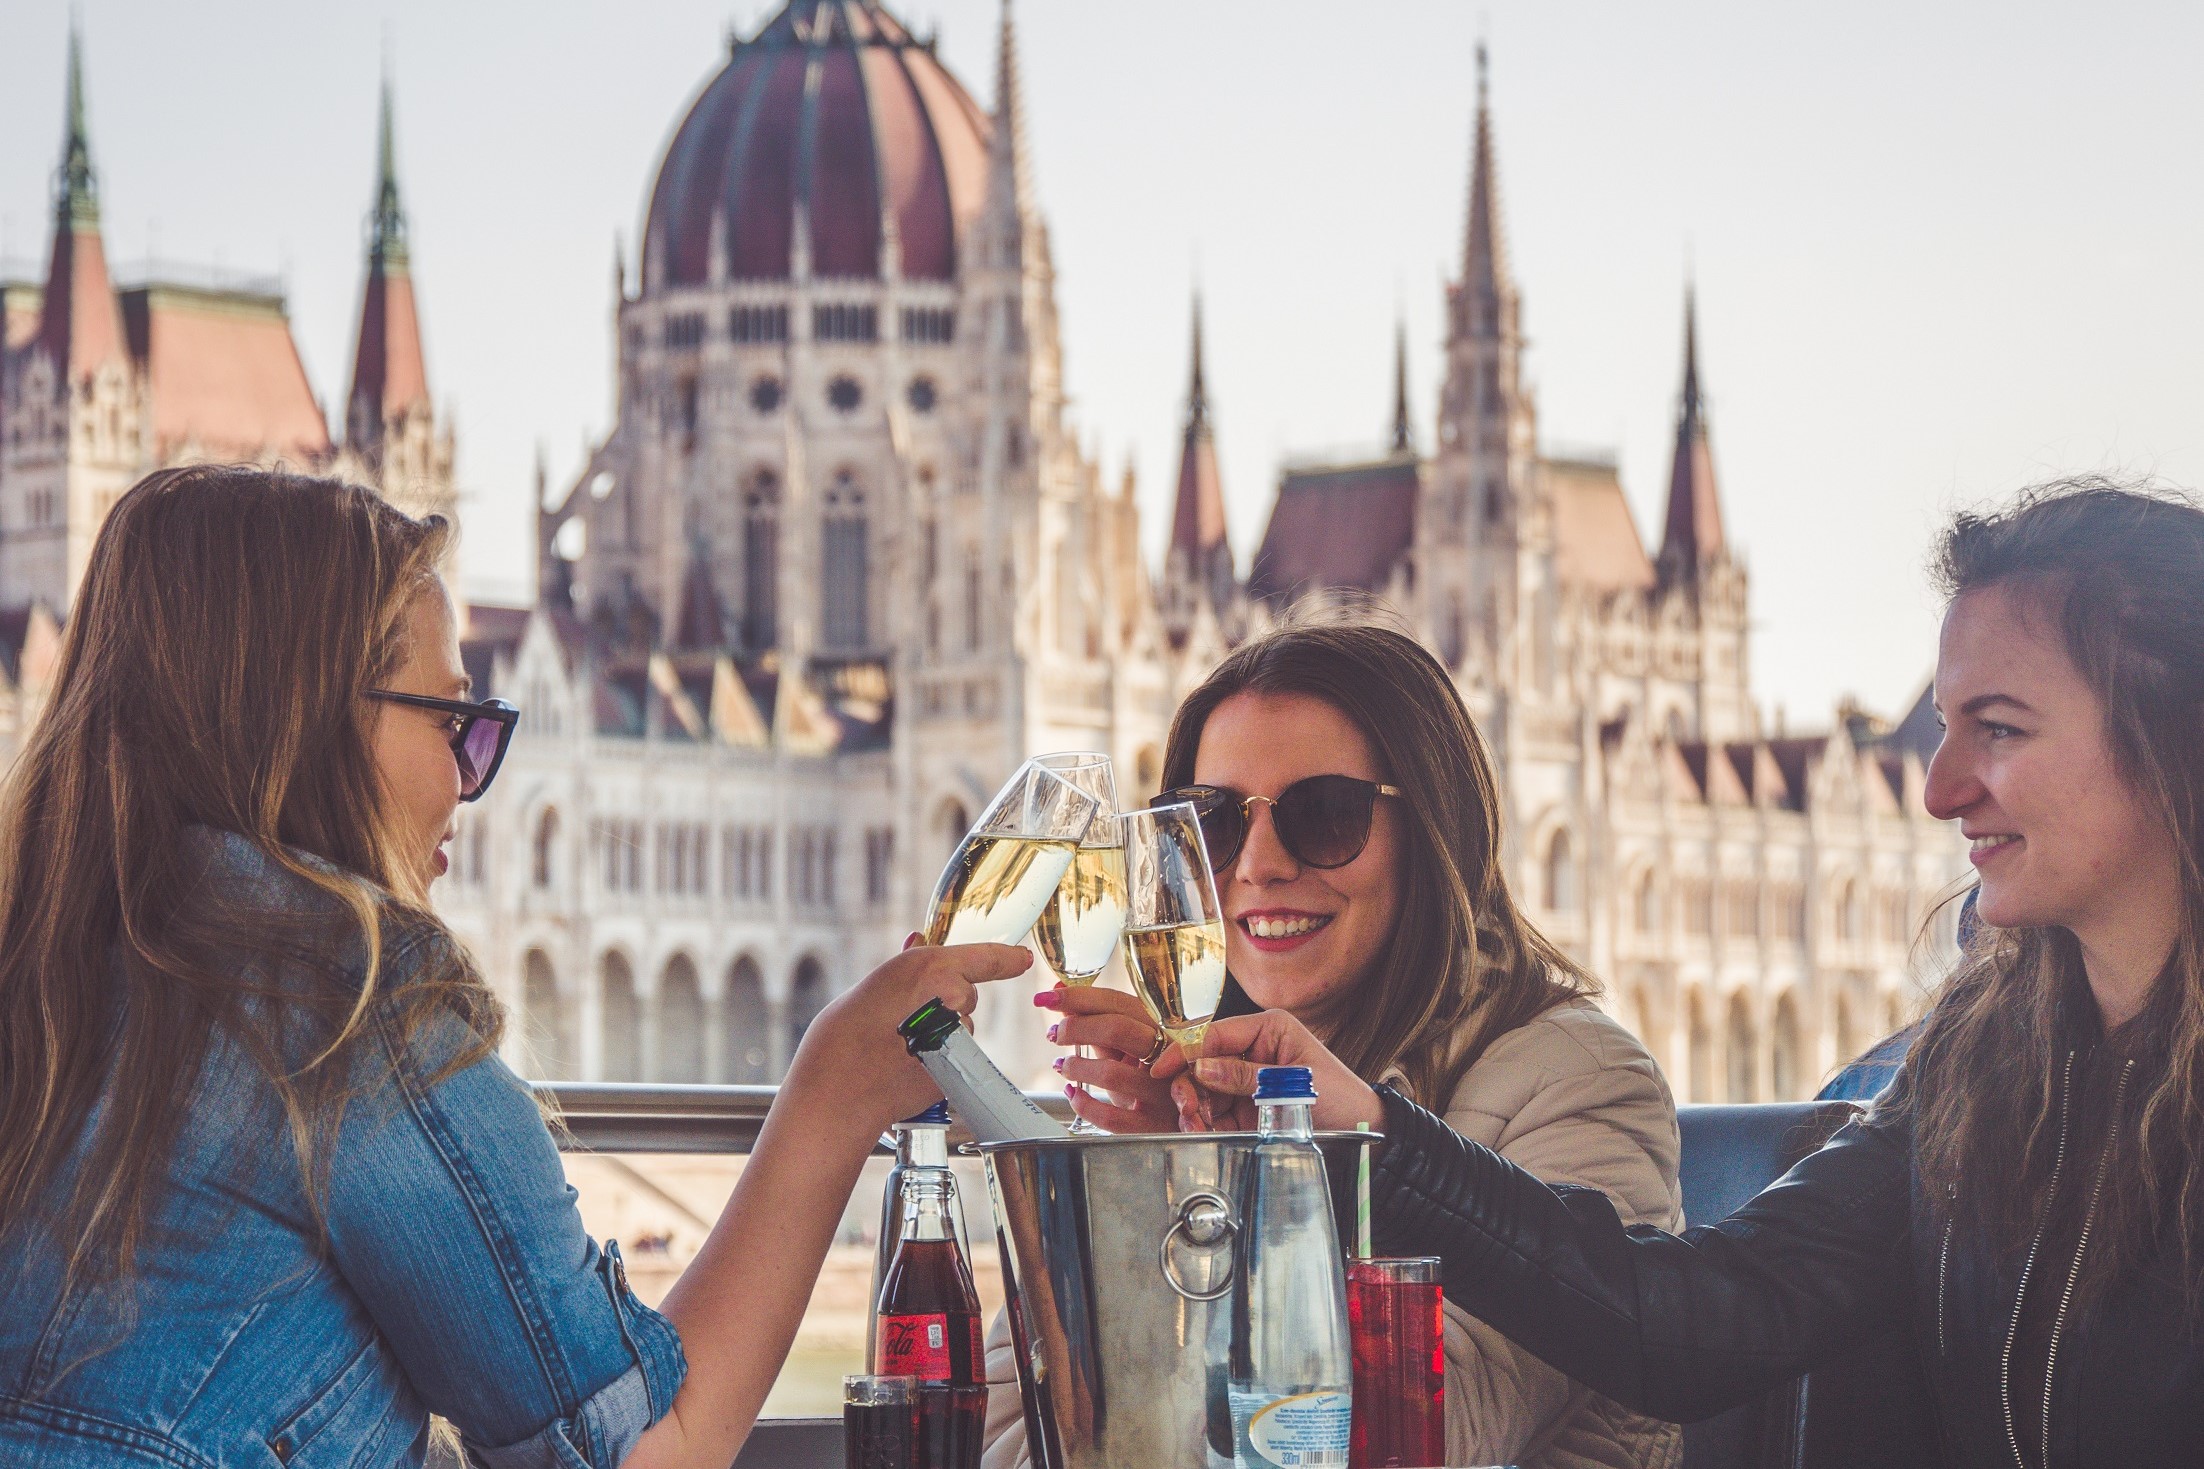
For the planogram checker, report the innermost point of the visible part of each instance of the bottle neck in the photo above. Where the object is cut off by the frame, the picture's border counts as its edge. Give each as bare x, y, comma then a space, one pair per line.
926, 1201
922, 1145
1285, 1120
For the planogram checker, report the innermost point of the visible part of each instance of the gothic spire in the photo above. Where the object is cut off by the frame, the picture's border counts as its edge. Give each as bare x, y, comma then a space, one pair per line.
1009, 170
1404, 431
1197, 521
1693, 535
1487, 288
80, 322
387, 224
76, 187
389, 373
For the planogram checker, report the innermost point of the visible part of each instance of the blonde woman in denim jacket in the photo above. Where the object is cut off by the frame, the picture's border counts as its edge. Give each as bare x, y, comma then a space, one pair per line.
267, 1195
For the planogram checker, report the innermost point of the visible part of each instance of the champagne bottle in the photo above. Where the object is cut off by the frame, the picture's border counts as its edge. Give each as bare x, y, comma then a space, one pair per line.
1292, 1368
991, 1107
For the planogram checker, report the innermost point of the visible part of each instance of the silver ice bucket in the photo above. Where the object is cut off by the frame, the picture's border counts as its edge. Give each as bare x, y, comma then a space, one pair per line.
1118, 1256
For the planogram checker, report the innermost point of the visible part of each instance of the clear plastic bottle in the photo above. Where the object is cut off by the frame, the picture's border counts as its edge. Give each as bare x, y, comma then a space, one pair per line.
1292, 1373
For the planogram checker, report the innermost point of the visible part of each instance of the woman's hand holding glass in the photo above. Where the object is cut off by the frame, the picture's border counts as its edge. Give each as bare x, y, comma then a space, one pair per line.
1222, 1080
1122, 1035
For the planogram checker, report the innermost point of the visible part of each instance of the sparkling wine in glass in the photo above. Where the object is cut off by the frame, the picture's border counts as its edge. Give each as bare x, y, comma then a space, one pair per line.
1078, 932
1174, 927
1007, 868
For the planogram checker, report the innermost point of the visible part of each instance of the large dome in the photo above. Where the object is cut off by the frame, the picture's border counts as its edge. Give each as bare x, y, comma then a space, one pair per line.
834, 111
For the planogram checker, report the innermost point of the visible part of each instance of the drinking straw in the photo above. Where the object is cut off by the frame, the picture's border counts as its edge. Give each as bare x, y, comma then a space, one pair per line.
1362, 1198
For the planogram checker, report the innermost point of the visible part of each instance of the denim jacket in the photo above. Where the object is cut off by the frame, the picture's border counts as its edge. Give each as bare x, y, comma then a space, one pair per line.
456, 1278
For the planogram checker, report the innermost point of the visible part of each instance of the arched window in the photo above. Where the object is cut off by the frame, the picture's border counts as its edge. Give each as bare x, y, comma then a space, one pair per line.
1848, 912
680, 1022
1744, 1049
761, 561
1701, 1060
1848, 1034
1560, 875
1645, 903
549, 1049
973, 591
545, 869
843, 608
1784, 1070
749, 1046
622, 1028
954, 824
807, 996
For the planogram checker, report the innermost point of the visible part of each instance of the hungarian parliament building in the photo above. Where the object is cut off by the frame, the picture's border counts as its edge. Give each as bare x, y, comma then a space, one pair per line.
842, 562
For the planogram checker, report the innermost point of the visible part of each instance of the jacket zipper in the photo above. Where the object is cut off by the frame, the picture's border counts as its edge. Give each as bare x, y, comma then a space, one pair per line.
2081, 1247
1943, 1275
2012, 1332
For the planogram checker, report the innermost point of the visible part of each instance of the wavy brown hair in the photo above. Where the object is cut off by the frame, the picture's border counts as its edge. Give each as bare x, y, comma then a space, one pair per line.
1462, 966
211, 675
2117, 574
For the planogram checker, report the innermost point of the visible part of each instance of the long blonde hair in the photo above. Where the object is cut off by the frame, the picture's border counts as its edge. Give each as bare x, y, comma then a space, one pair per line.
1462, 966
211, 675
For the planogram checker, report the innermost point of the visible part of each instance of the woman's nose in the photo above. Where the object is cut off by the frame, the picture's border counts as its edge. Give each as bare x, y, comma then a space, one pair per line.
1263, 858
1952, 787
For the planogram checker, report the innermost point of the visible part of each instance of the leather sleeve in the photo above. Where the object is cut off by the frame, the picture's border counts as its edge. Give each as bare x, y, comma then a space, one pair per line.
1675, 1326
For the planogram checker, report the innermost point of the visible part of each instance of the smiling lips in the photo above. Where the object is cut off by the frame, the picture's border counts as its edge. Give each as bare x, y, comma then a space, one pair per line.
1984, 846
1275, 931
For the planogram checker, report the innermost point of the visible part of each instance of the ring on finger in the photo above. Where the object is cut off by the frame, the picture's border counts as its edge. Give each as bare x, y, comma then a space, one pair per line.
1155, 1052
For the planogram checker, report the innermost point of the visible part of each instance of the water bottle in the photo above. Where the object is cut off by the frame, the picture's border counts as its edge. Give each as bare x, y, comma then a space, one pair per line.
920, 1142
1292, 1370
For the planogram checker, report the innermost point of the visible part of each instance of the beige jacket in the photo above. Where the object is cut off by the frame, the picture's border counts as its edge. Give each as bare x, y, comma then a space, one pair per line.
1574, 1098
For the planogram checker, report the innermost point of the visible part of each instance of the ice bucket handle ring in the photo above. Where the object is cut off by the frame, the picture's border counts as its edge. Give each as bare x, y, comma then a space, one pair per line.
1206, 1221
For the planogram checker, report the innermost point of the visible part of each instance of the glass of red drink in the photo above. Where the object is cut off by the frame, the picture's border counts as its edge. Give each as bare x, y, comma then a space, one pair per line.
1396, 1322
880, 1422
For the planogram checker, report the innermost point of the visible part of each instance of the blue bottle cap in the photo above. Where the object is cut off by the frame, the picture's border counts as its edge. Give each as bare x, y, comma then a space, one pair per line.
1285, 1084
935, 1116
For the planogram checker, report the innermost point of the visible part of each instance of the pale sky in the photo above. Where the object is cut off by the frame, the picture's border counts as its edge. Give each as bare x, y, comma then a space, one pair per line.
1941, 250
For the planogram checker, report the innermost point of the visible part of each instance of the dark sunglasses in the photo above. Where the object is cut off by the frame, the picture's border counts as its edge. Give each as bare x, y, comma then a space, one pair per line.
1322, 821
478, 739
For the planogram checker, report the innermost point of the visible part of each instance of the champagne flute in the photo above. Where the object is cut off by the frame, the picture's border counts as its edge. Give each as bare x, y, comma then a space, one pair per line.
1174, 927
1007, 868
1079, 931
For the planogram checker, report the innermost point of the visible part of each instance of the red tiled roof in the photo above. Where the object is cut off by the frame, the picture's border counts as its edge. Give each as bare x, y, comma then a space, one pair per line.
389, 374
1595, 537
79, 325
225, 374
886, 133
1336, 527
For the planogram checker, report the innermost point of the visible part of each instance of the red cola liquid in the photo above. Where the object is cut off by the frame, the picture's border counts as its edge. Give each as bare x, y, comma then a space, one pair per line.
930, 1316
880, 1435
1400, 1372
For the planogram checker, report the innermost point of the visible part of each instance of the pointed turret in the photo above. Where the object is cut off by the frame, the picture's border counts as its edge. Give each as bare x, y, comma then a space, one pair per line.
1197, 522
1009, 145
80, 322
1404, 429
1693, 536
389, 376
1487, 300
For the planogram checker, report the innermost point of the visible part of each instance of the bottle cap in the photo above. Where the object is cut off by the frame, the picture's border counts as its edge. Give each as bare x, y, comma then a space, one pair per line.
928, 1026
1285, 1084
935, 1116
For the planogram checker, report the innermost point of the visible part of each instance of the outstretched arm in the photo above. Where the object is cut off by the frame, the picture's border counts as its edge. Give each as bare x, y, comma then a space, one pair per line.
1675, 1326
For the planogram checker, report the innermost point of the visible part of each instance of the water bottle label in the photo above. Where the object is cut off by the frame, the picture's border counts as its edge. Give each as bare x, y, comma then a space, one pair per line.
1297, 1431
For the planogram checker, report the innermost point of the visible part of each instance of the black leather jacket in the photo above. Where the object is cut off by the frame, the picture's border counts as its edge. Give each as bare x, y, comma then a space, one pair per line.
1681, 1327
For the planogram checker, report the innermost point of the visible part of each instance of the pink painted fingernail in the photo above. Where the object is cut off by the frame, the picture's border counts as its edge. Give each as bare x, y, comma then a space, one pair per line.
1052, 1033
1058, 1063
1049, 999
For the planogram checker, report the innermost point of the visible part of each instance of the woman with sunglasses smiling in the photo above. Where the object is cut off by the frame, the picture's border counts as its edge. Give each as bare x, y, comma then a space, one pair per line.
267, 1195
1353, 819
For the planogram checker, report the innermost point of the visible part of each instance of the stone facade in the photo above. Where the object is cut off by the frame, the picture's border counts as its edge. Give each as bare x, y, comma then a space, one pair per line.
842, 561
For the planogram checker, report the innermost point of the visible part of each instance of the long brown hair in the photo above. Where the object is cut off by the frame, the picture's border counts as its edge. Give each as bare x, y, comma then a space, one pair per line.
1462, 966
2116, 571
211, 675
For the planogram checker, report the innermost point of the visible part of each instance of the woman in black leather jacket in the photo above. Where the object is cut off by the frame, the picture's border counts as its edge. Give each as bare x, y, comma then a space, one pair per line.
2029, 1195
